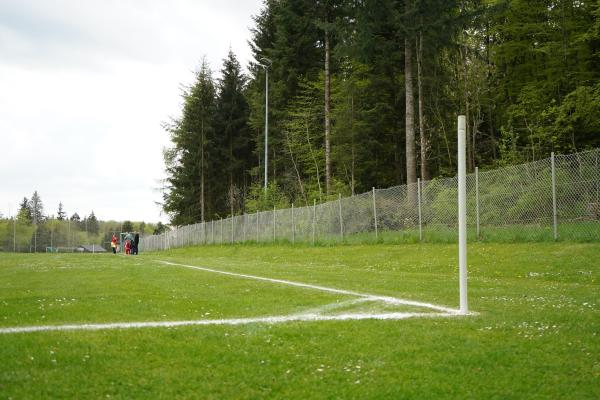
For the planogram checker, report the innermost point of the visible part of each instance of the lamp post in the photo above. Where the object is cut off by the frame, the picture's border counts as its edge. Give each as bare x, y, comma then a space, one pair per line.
266, 63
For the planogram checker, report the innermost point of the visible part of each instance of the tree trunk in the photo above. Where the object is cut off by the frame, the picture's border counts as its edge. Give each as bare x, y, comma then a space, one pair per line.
424, 142
411, 164
327, 118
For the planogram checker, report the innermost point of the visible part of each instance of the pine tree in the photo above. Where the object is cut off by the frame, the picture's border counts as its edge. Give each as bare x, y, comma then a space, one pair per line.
127, 226
37, 208
188, 162
76, 219
232, 135
160, 228
92, 224
61, 215
25, 216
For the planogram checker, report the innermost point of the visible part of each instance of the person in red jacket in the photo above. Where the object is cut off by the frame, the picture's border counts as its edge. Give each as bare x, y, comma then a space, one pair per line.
113, 243
128, 246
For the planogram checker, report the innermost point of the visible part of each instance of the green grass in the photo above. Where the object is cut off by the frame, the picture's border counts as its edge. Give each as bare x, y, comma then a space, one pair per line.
536, 334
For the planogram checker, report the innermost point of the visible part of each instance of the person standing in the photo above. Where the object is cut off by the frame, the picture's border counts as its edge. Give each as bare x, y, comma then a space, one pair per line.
113, 243
136, 242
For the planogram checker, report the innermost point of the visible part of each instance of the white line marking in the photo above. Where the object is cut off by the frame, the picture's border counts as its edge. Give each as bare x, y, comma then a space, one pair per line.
306, 316
385, 299
333, 306
232, 321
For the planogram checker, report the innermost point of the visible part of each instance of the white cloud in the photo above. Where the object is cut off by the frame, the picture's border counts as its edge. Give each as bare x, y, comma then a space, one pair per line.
84, 89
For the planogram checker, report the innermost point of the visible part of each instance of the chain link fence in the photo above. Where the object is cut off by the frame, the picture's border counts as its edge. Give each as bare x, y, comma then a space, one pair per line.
51, 235
550, 199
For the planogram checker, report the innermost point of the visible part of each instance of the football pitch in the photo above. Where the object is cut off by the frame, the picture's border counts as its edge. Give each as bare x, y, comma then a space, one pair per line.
283, 321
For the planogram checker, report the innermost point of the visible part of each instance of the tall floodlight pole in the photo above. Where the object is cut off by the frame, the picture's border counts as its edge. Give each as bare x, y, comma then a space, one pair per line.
266, 63
462, 214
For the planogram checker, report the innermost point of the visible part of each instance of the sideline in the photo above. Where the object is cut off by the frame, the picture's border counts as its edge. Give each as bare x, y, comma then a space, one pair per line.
232, 321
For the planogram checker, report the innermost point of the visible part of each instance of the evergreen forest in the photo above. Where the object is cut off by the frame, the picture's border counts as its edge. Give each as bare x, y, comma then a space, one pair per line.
366, 94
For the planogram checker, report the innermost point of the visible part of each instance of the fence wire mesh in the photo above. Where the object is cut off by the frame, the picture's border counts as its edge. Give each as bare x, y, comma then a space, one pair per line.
554, 198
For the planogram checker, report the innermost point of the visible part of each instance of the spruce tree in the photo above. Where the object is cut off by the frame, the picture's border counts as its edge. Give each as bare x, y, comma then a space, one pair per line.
232, 135
25, 216
92, 224
37, 208
61, 215
188, 163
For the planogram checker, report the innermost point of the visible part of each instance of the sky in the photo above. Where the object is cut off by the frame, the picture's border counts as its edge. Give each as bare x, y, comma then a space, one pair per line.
85, 87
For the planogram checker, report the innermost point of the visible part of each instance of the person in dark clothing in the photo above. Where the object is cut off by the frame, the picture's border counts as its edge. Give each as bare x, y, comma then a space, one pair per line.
136, 242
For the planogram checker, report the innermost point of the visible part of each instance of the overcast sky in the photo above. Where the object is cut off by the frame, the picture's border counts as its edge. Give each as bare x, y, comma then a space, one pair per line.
85, 86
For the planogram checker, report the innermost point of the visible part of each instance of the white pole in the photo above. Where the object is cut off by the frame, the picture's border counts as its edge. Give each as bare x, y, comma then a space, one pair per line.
341, 221
273, 223
212, 231
221, 231
257, 227
462, 214
232, 229
375, 213
314, 220
15, 234
477, 201
419, 208
554, 216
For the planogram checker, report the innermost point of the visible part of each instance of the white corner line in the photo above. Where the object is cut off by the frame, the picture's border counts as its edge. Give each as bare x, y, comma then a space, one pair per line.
306, 316
385, 299
231, 321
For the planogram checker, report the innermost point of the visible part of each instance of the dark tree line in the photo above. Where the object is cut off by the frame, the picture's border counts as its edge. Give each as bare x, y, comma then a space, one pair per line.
365, 94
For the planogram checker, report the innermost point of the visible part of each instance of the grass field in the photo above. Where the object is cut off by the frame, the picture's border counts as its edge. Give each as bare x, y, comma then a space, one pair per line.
535, 332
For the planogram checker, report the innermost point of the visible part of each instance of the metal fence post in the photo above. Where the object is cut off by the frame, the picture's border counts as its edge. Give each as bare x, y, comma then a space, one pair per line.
293, 226
212, 231
257, 231
341, 221
477, 201
419, 208
244, 220
221, 231
273, 223
375, 213
554, 216
314, 220
232, 229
